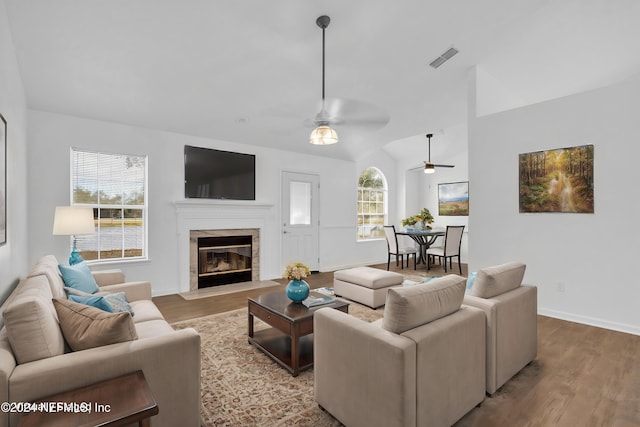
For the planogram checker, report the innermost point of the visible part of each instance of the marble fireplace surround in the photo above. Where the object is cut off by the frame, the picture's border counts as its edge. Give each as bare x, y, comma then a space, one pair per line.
225, 216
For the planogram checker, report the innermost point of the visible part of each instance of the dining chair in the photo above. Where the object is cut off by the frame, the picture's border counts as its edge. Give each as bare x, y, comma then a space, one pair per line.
451, 248
394, 249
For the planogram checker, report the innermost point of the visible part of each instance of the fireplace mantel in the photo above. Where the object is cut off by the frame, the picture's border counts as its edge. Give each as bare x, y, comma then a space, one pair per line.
194, 205
205, 214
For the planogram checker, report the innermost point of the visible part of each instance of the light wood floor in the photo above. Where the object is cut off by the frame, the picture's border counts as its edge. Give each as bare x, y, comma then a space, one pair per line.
582, 376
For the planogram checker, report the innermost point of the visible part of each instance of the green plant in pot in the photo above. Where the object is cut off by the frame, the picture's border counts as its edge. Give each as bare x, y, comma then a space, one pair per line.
424, 217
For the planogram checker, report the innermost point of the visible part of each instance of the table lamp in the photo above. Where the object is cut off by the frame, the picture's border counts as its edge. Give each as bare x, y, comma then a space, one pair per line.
73, 221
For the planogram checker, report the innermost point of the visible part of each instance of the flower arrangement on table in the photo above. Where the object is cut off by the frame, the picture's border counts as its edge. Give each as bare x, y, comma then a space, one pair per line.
424, 216
297, 290
296, 271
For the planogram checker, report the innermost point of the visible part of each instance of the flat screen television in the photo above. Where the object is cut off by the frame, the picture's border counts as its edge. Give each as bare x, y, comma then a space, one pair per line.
217, 174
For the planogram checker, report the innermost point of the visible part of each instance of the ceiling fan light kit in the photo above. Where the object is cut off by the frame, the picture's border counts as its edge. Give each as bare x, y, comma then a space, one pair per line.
323, 134
428, 166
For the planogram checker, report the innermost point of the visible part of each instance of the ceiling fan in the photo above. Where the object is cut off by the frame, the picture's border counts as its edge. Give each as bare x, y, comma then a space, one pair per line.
428, 166
340, 111
350, 115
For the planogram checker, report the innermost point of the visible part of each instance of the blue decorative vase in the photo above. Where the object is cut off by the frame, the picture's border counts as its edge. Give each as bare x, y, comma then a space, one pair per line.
297, 290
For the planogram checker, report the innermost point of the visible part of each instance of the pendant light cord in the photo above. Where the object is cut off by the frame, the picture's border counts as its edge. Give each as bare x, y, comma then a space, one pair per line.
322, 67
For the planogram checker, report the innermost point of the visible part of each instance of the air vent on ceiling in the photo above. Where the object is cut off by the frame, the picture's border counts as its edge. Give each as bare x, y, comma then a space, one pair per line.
444, 57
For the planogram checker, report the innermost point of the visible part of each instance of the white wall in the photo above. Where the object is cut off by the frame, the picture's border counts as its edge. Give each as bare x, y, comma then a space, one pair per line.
583, 264
13, 255
52, 135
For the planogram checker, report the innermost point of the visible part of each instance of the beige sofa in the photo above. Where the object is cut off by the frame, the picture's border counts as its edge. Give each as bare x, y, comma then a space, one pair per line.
423, 364
511, 310
170, 359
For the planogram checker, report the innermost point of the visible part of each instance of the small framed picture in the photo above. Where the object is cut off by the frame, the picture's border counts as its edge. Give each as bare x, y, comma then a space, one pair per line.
453, 199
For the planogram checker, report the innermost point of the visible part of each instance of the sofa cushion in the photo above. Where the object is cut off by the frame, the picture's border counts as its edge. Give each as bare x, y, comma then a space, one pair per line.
153, 328
31, 323
48, 266
145, 310
79, 276
93, 301
412, 306
87, 327
493, 281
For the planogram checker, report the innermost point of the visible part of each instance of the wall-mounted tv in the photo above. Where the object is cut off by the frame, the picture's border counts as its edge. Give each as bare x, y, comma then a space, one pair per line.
216, 174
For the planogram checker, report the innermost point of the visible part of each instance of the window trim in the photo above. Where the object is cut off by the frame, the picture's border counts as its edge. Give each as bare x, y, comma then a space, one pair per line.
144, 207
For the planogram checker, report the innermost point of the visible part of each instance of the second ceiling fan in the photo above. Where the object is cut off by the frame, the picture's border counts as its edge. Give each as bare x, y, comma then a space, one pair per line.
428, 166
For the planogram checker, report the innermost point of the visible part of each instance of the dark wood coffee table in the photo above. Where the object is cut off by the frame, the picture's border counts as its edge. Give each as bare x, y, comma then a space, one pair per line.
290, 340
116, 402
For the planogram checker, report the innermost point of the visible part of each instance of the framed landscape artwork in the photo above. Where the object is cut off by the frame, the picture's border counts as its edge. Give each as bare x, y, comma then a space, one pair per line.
453, 199
559, 180
3, 180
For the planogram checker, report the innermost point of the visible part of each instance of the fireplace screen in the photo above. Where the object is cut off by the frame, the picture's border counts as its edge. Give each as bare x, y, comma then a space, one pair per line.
224, 260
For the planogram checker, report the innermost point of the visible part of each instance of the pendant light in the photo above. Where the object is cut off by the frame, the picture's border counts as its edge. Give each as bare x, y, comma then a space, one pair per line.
323, 134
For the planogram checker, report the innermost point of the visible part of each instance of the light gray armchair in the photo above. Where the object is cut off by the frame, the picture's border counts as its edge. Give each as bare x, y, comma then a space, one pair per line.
423, 364
511, 310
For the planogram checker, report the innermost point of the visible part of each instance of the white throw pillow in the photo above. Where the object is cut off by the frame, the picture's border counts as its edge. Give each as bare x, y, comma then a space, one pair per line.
412, 306
493, 281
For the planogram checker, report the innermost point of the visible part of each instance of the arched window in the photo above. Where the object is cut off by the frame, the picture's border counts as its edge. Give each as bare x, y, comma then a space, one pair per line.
372, 204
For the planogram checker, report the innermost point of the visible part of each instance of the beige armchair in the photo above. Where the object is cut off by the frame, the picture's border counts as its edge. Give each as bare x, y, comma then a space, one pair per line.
511, 310
423, 364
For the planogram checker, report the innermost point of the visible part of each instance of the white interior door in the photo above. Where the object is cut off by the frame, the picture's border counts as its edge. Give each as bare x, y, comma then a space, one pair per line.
300, 230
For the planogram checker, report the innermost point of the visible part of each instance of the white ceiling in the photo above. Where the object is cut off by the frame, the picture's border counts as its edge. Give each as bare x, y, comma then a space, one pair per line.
249, 71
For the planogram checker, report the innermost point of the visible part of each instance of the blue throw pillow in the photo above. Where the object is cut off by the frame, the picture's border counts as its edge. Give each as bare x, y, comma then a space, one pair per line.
79, 277
97, 302
470, 280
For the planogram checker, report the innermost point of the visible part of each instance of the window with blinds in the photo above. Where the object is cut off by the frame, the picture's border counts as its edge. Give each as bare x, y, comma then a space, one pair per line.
115, 186
372, 204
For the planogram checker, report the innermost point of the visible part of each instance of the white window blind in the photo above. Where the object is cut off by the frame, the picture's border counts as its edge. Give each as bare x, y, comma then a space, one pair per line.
115, 186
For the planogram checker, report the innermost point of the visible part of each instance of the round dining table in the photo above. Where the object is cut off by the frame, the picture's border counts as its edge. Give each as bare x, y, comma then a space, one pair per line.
425, 238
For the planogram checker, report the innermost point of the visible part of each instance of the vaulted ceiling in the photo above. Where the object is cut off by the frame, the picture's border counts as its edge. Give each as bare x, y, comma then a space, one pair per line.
249, 71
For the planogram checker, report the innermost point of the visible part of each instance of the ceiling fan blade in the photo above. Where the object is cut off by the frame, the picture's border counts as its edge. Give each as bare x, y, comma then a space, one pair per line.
435, 165
352, 112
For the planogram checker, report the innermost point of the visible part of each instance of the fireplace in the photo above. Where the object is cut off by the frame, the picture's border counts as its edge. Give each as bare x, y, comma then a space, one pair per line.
223, 256
224, 260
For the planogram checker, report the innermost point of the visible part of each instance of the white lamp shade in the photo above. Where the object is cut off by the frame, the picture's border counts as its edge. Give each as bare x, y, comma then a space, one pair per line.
73, 220
323, 135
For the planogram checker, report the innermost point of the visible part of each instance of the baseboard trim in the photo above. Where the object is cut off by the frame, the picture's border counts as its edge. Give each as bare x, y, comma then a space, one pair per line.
591, 321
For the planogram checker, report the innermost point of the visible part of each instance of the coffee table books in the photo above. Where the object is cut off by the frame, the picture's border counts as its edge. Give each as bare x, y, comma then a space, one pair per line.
320, 300
324, 291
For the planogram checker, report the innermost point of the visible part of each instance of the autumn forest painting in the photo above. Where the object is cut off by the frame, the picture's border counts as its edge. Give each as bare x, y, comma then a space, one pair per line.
558, 180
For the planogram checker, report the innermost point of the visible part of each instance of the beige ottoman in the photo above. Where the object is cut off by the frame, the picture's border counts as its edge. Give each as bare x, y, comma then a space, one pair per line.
365, 285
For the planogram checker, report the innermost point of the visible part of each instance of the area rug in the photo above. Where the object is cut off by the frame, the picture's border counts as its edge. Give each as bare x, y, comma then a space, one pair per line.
241, 386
